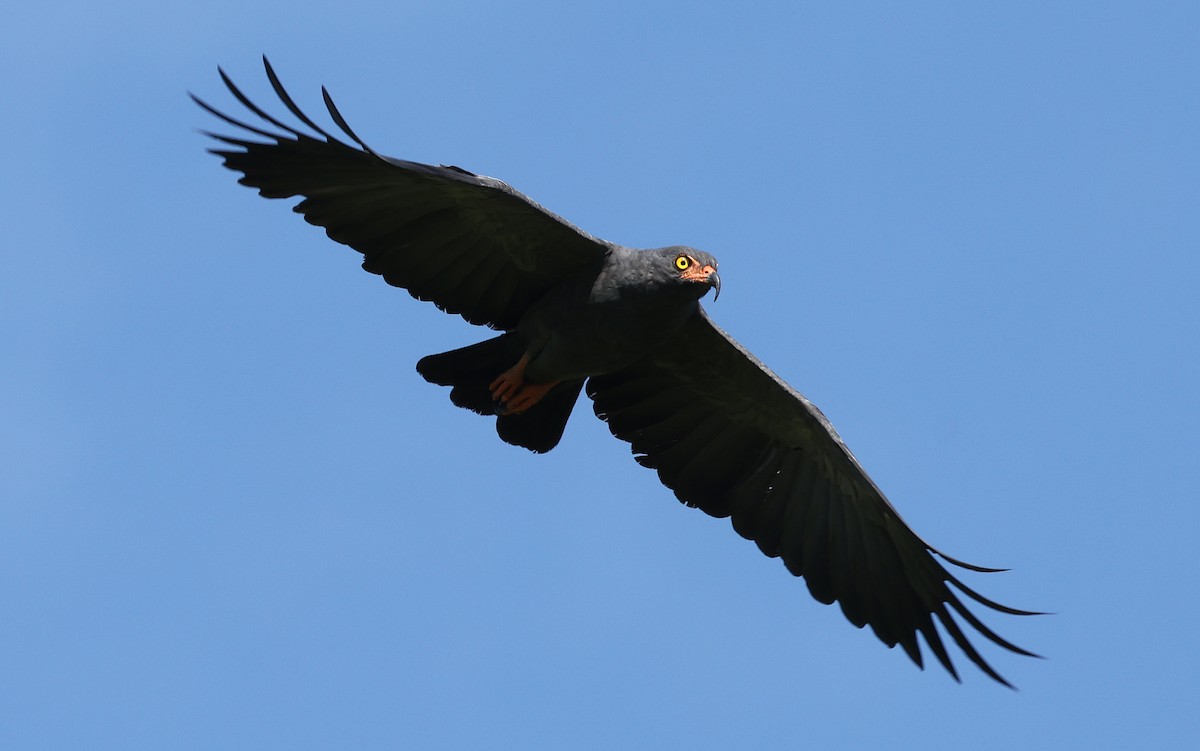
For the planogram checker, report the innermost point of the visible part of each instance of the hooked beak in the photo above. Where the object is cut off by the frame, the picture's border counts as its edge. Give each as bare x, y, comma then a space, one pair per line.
714, 279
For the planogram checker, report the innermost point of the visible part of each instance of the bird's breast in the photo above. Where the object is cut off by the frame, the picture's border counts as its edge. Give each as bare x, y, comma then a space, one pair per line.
598, 336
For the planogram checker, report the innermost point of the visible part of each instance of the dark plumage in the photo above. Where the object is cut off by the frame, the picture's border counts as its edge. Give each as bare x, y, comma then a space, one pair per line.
578, 313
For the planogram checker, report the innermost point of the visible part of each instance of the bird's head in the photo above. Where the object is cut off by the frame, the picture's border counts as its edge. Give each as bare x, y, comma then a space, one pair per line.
693, 267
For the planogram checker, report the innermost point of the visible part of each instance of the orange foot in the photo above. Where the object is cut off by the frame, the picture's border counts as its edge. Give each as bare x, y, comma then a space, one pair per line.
528, 395
508, 383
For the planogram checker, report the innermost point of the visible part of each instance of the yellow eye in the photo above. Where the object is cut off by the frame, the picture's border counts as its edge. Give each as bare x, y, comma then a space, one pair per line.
682, 263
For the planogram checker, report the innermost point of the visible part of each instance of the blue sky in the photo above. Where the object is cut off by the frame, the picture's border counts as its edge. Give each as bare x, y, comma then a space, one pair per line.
232, 515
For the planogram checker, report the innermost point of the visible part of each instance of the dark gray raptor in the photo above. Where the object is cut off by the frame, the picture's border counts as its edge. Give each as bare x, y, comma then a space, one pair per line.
724, 433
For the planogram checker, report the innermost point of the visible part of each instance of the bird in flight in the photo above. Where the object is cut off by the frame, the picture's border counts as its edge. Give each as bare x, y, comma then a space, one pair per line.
576, 313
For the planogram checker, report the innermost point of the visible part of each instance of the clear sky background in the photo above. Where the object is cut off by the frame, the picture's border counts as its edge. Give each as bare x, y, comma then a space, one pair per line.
233, 517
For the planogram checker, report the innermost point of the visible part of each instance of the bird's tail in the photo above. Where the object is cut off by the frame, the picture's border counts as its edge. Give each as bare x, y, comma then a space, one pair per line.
470, 370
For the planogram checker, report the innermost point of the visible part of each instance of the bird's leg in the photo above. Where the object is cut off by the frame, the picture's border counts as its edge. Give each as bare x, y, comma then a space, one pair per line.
514, 393
508, 383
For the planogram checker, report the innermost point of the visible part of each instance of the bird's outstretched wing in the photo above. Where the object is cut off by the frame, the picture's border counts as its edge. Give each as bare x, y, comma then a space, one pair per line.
470, 244
733, 439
